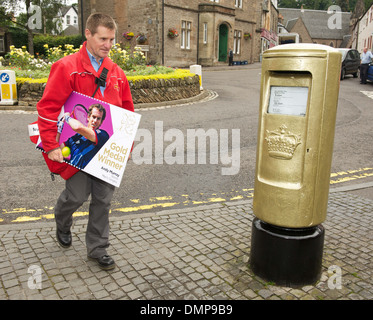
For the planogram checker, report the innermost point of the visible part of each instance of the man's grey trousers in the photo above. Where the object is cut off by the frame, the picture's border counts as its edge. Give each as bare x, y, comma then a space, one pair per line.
78, 188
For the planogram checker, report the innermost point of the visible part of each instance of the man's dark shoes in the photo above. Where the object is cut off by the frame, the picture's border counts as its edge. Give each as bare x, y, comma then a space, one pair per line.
63, 238
105, 262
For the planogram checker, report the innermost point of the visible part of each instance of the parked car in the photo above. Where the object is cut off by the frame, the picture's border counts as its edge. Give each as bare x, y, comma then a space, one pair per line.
350, 62
370, 72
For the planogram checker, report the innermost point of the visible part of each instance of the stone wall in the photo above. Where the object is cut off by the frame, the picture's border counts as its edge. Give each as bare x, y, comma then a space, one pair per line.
150, 91
29, 93
143, 91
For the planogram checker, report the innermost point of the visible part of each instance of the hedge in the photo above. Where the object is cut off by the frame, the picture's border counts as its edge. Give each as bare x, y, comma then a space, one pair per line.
20, 38
54, 41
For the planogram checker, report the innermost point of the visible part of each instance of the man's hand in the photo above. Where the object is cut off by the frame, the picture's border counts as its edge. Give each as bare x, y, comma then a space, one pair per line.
56, 155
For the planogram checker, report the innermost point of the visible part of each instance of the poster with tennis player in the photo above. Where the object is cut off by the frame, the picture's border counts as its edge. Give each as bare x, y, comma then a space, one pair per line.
96, 137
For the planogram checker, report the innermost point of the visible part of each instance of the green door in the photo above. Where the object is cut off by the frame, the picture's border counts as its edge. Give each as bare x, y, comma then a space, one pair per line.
223, 42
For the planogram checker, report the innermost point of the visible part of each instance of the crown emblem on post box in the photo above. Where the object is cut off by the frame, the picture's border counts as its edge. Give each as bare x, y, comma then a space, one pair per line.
282, 143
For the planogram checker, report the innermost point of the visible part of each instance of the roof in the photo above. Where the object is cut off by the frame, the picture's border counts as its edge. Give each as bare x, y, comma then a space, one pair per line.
70, 30
316, 22
65, 10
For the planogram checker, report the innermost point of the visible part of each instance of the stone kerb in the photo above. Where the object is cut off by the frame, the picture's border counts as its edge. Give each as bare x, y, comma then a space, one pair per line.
143, 91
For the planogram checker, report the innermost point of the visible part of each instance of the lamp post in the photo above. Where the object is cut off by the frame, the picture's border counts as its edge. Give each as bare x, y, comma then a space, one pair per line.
81, 19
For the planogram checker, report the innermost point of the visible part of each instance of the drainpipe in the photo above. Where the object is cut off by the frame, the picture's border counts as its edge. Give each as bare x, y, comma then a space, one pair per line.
198, 38
163, 32
81, 19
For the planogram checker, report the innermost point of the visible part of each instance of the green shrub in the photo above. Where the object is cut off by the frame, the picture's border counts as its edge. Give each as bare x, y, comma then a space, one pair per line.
19, 36
54, 42
133, 63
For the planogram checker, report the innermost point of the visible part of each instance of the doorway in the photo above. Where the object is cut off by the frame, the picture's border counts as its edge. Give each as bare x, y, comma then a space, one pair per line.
223, 42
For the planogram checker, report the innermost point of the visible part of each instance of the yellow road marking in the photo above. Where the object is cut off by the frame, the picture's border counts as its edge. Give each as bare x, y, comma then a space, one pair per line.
163, 202
147, 207
353, 177
26, 218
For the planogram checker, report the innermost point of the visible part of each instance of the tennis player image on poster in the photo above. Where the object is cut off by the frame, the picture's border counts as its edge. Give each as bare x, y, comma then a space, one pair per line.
98, 136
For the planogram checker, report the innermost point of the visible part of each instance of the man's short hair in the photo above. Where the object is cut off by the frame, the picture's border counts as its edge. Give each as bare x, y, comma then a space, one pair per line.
100, 19
100, 108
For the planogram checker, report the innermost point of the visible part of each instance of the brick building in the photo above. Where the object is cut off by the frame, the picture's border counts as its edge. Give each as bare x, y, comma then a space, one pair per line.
205, 29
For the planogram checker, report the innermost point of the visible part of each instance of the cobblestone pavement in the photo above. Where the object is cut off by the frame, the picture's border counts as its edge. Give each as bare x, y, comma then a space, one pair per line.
195, 253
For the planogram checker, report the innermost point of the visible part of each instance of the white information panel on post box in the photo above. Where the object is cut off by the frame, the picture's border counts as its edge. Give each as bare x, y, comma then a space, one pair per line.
288, 100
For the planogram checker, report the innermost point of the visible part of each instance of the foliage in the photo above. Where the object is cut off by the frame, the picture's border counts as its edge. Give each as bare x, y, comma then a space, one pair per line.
368, 4
29, 74
171, 74
147, 70
21, 58
172, 33
126, 60
31, 80
19, 36
49, 10
345, 5
128, 35
141, 38
27, 66
55, 41
56, 53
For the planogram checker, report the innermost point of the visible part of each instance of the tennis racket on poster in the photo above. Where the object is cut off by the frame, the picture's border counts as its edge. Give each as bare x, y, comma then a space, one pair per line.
80, 113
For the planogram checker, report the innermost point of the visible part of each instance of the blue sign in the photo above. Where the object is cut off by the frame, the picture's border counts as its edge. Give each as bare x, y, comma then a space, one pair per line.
4, 77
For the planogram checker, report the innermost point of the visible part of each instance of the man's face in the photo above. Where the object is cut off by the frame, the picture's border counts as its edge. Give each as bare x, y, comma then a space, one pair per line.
365, 50
95, 119
100, 43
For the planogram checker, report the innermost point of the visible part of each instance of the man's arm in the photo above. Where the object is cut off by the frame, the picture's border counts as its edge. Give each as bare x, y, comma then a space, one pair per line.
78, 127
56, 92
127, 102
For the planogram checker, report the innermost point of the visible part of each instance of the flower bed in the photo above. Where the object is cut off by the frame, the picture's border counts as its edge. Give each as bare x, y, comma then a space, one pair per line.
148, 83
145, 89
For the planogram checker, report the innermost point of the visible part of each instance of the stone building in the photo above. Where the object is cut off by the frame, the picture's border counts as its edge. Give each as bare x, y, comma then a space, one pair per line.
317, 26
362, 28
268, 25
181, 33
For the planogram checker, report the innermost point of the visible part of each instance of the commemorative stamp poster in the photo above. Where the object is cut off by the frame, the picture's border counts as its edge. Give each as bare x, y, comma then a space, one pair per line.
106, 158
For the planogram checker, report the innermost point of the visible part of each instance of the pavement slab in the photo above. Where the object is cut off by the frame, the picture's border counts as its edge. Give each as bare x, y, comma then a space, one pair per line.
199, 253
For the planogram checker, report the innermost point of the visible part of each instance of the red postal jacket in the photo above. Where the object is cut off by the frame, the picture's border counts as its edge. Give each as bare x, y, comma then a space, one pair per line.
75, 73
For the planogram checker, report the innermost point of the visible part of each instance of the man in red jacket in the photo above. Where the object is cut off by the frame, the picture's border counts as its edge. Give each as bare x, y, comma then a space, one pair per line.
78, 72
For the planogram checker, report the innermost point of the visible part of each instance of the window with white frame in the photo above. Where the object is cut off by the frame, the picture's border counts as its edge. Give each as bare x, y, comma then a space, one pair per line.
237, 42
238, 3
205, 33
67, 19
186, 27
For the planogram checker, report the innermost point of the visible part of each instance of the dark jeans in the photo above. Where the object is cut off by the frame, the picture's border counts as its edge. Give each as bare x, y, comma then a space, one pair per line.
364, 72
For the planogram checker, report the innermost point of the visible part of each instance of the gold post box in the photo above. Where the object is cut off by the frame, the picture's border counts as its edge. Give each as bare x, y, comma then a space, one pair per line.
298, 104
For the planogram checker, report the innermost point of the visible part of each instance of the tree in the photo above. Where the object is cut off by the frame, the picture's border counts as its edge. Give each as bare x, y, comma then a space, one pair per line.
49, 10
368, 4
12, 6
37, 13
344, 5
288, 4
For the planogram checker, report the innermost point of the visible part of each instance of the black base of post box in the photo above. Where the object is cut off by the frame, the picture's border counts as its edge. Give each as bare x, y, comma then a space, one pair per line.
286, 256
